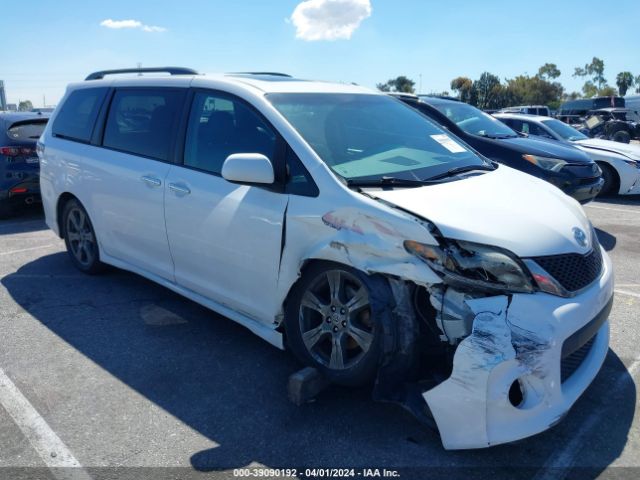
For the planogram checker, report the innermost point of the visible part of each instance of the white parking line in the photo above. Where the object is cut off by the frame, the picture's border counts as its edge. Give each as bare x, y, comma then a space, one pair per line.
47, 444
558, 466
614, 209
625, 292
11, 252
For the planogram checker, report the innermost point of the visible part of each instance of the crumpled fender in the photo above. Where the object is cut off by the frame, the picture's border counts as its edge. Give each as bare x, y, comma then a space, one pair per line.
373, 245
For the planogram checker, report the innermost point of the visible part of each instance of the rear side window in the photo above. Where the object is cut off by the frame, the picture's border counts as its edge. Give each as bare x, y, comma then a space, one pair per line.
77, 115
26, 131
143, 121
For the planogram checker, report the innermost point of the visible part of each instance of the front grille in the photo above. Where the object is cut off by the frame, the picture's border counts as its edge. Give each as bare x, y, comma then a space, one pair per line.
570, 363
572, 270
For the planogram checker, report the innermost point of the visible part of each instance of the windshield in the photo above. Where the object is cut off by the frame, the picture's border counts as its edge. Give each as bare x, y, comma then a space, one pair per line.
565, 131
474, 121
372, 137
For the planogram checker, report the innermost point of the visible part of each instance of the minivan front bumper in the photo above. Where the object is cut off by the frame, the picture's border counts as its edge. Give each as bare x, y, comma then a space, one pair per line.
517, 345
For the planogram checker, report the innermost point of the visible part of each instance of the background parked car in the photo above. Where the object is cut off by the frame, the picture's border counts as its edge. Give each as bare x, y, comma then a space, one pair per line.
19, 166
530, 109
562, 165
620, 163
574, 111
617, 124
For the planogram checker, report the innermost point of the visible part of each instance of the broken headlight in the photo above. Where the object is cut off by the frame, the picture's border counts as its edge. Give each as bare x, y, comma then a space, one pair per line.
474, 265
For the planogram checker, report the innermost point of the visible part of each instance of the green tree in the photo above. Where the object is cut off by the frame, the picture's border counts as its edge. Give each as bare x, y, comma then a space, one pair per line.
548, 71
463, 86
589, 89
570, 96
607, 91
399, 84
637, 82
624, 81
487, 91
25, 106
595, 70
534, 90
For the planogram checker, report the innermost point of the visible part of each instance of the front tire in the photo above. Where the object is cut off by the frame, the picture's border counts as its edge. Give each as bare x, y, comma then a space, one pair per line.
330, 323
610, 180
80, 238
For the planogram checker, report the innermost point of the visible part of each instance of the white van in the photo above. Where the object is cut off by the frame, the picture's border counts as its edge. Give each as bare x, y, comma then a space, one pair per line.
343, 225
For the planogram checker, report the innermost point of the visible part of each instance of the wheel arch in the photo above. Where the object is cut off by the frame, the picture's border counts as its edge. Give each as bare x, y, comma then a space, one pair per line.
615, 188
63, 199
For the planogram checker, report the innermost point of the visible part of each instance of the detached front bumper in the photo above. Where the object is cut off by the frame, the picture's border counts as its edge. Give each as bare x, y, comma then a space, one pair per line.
518, 344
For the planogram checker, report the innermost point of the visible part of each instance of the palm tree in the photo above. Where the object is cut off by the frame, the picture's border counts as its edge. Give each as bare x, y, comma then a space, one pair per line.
624, 80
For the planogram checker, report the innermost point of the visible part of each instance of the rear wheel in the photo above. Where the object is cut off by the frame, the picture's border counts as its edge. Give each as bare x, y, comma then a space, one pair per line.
330, 325
80, 238
610, 180
621, 136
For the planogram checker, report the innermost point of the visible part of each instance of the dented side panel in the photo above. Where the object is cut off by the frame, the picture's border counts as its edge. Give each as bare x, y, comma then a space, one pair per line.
360, 236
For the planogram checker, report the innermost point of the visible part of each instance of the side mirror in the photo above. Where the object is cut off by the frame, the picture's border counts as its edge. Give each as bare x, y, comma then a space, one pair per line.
248, 168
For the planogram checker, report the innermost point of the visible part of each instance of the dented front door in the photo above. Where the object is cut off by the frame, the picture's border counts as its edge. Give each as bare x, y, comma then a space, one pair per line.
225, 239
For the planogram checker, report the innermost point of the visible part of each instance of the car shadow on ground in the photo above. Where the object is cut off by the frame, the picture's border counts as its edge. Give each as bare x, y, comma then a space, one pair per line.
25, 219
620, 199
230, 386
607, 240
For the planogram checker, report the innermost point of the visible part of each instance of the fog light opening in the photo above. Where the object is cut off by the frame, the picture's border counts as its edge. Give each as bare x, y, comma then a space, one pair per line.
516, 397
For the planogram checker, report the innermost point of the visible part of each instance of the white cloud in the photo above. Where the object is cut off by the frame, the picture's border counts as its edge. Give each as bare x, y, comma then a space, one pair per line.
329, 19
118, 24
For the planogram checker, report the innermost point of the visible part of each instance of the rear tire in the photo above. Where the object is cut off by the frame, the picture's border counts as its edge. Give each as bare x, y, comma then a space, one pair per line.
330, 323
80, 238
621, 136
610, 180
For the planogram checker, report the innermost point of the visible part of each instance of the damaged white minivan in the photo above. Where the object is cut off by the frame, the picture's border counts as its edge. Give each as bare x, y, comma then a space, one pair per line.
341, 224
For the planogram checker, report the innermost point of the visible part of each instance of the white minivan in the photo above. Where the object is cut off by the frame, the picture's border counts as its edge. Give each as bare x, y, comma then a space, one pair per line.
345, 226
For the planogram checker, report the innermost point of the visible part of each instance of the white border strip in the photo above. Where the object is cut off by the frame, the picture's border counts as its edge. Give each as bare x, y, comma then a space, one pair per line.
625, 292
44, 440
29, 249
558, 466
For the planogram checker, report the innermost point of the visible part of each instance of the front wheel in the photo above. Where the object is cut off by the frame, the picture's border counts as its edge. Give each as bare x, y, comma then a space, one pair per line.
330, 324
80, 238
608, 176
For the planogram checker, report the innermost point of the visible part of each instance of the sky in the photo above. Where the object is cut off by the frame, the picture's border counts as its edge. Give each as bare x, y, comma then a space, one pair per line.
47, 44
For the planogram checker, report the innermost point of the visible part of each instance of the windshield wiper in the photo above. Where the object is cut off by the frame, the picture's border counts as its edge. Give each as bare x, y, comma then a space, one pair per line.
457, 170
497, 136
390, 181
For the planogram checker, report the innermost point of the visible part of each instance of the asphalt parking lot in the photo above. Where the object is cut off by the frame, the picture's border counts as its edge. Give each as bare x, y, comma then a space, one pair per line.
115, 371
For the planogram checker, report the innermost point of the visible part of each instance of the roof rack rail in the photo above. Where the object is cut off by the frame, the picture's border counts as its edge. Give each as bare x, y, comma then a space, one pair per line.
274, 74
170, 70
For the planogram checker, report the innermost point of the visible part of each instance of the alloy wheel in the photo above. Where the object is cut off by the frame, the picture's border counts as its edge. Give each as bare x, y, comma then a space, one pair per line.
335, 320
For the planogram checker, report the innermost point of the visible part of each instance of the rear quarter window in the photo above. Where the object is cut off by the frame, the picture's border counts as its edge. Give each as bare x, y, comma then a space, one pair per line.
78, 114
24, 132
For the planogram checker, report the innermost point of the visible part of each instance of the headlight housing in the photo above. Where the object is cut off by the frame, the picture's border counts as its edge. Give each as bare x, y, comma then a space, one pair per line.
546, 163
474, 265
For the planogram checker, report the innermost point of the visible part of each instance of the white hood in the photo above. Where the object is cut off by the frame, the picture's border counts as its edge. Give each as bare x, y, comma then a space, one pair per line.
627, 149
504, 208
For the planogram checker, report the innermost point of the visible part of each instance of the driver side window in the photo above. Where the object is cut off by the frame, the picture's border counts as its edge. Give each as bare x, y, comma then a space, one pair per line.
221, 125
